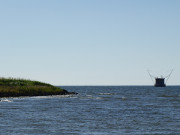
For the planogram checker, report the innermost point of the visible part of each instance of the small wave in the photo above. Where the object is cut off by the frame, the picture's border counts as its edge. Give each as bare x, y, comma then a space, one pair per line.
98, 98
90, 97
5, 100
86, 97
105, 94
170, 96
124, 98
121, 98
65, 96
53, 96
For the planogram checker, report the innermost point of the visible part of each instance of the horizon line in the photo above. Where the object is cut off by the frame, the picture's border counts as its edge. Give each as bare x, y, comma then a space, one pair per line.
108, 85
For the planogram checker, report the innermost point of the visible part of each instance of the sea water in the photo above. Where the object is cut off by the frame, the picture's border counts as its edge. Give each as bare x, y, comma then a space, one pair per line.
96, 110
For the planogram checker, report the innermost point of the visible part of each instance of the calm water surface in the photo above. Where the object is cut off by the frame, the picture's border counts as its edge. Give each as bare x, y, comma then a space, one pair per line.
96, 110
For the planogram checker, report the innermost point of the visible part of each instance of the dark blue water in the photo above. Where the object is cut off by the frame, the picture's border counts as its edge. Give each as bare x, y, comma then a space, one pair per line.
106, 110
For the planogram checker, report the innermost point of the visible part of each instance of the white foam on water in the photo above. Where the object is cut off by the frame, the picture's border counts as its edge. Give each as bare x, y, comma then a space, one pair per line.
5, 100
64, 96
38, 97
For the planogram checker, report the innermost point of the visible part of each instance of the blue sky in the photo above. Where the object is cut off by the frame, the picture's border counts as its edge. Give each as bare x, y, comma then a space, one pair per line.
90, 42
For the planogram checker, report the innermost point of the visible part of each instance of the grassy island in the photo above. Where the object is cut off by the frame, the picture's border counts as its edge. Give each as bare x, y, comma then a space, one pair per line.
10, 87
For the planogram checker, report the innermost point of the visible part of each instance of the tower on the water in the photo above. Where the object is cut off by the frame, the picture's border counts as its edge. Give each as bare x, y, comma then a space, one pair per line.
160, 81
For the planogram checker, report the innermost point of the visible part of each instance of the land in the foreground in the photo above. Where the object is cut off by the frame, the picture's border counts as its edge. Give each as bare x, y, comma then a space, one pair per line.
10, 87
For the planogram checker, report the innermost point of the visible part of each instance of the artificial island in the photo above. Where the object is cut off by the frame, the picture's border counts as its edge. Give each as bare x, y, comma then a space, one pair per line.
11, 87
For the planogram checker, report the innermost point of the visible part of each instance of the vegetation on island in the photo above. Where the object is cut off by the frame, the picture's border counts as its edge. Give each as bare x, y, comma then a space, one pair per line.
11, 87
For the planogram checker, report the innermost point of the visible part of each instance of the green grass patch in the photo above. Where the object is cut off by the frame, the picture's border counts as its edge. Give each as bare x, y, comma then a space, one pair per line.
11, 87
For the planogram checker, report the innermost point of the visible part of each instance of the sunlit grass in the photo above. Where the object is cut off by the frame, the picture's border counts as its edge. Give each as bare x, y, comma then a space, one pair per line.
11, 87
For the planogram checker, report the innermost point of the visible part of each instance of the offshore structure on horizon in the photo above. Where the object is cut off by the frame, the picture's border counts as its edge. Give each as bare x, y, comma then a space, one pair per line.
160, 81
